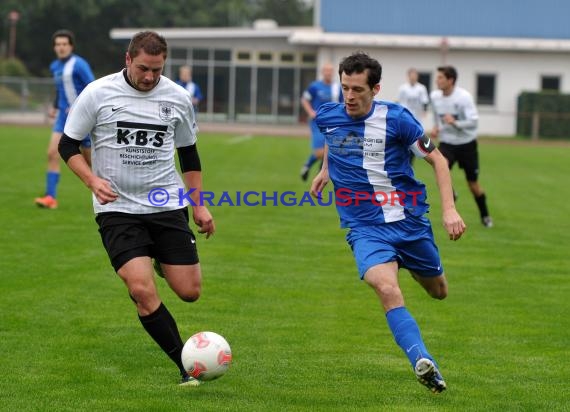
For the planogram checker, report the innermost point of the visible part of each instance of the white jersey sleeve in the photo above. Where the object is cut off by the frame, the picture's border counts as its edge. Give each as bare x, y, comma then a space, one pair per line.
185, 132
82, 116
460, 105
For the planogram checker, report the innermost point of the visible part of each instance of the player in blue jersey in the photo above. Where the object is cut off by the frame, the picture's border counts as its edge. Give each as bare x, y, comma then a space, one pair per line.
185, 80
71, 74
318, 92
382, 204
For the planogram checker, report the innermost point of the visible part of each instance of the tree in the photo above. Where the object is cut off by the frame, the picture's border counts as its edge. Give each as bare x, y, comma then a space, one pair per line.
92, 20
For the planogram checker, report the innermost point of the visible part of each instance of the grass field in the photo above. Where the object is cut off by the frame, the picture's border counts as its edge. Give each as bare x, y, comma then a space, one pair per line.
281, 285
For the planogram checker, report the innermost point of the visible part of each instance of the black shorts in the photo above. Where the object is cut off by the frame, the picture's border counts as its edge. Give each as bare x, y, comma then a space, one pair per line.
465, 155
164, 236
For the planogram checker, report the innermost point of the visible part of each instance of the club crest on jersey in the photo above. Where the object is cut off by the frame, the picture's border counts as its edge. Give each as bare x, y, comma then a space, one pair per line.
165, 111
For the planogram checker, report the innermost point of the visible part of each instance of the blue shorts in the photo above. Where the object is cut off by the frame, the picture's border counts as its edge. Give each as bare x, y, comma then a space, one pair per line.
409, 242
59, 125
317, 138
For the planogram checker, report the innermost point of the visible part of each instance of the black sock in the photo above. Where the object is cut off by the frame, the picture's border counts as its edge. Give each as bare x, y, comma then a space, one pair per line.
161, 326
482, 205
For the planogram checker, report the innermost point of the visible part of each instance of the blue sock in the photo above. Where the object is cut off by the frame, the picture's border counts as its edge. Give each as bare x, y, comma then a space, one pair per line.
407, 334
52, 179
311, 160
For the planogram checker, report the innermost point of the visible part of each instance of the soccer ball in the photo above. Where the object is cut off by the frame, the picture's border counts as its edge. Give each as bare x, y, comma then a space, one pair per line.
206, 356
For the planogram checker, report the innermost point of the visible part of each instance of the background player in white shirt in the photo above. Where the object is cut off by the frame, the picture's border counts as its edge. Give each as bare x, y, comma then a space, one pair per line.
137, 119
413, 95
456, 119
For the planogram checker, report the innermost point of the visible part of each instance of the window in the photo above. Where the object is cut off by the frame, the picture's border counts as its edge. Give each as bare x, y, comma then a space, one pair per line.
243, 55
243, 90
222, 55
550, 83
177, 53
265, 57
201, 54
221, 89
425, 79
264, 90
286, 99
287, 57
486, 89
309, 58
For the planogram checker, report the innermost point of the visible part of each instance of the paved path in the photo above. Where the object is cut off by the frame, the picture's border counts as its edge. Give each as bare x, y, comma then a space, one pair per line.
239, 129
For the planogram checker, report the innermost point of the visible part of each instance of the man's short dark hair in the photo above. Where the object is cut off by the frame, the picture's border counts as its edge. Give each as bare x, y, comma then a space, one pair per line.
449, 72
64, 33
150, 42
358, 62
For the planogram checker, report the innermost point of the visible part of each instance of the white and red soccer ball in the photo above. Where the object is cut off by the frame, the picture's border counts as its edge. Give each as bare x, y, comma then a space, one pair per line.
206, 356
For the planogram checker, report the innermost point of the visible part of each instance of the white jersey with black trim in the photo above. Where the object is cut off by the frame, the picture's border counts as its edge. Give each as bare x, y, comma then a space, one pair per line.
134, 136
413, 97
461, 106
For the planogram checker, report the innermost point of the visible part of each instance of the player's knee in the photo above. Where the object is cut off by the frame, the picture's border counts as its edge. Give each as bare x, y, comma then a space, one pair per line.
438, 291
439, 294
53, 154
141, 293
388, 292
190, 295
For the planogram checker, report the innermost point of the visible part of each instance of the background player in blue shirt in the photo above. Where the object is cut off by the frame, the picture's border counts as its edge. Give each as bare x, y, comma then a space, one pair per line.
381, 202
185, 80
71, 74
318, 92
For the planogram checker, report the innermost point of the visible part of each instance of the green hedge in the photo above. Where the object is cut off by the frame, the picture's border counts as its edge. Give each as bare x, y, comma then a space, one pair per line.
553, 114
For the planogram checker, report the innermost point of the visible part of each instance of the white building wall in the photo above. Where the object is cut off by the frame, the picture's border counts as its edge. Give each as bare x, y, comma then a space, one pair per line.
515, 72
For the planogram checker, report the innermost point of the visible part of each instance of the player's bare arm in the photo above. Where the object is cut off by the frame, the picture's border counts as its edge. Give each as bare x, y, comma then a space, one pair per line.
452, 221
307, 106
322, 178
70, 153
448, 119
200, 213
192, 171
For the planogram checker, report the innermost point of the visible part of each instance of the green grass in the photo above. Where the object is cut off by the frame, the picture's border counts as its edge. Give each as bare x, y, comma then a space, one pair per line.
281, 285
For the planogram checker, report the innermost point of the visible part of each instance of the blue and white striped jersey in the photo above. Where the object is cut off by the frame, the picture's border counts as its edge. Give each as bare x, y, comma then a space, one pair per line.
369, 163
71, 76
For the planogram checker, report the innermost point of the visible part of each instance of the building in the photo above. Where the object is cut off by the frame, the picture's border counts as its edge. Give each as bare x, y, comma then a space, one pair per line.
500, 48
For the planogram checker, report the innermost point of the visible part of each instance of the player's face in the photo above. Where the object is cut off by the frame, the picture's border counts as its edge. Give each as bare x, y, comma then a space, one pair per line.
185, 75
62, 47
328, 73
443, 83
358, 96
144, 70
413, 76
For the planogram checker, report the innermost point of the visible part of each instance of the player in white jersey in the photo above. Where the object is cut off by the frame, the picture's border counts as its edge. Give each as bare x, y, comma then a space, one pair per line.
383, 205
413, 95
138, 119
456, 120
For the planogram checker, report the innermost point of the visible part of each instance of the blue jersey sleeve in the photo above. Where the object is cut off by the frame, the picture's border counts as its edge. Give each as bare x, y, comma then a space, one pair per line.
84, 74
328, 115
410, 128
198, 92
